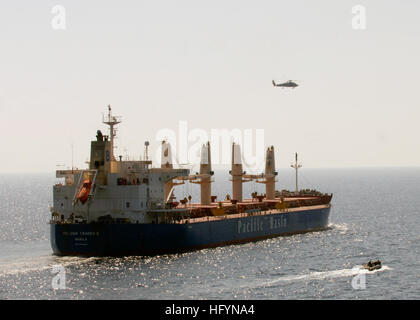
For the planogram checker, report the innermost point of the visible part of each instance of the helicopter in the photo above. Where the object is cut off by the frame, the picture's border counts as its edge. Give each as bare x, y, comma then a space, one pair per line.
289, 83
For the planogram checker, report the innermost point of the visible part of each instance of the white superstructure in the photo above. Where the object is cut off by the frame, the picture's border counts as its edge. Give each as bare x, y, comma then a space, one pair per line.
111, 188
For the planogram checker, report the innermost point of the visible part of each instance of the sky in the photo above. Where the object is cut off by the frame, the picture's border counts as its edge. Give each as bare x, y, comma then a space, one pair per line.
209, 64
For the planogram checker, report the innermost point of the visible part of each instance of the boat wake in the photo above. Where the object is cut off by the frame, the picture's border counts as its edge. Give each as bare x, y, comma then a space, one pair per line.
324, 275
39, 263
341, 227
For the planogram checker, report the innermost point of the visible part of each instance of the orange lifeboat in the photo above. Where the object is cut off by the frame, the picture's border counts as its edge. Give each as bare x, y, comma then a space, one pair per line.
84, 191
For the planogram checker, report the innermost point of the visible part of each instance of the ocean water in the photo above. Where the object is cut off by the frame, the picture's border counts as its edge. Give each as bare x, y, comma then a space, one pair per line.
375, 215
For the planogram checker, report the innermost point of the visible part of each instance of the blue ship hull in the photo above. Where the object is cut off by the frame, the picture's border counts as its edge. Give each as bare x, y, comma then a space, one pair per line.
151, 239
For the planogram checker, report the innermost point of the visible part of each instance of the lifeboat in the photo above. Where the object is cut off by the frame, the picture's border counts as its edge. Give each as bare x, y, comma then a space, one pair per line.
84, 191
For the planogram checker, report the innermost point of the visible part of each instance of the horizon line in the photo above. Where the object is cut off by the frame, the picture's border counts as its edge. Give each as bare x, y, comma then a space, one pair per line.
222, 169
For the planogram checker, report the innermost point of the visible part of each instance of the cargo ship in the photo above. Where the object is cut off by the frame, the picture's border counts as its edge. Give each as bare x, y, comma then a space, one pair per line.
119, 207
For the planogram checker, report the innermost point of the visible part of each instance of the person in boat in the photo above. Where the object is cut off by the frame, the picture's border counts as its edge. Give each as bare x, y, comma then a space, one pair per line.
377, 262
370, 264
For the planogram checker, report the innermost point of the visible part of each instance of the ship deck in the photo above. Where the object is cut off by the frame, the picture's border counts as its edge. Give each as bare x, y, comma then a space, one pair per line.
250, 214
245, 202
227, 209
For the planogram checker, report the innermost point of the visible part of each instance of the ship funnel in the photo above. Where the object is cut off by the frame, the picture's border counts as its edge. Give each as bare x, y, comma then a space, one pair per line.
205, 170
166, 155
236, 173
270, 173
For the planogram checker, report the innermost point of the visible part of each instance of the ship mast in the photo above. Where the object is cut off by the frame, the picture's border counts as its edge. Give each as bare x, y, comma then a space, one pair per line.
111, 121
146, 151
296, 166
72, 156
